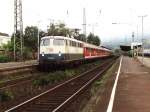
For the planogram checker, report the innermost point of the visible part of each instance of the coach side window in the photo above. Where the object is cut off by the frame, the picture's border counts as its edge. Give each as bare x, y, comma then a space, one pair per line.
79, 44
70, 43
58, 42
66, 42
74, 44
45, 42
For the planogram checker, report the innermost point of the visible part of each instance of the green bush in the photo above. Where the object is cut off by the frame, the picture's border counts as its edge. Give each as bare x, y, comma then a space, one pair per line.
56, 76
4, 58
50, 78
61, 75
69, 73
27, 53
5, 96
41, 81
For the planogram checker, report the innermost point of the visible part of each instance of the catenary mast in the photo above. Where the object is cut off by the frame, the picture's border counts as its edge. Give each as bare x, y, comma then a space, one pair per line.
84, 22
18, 29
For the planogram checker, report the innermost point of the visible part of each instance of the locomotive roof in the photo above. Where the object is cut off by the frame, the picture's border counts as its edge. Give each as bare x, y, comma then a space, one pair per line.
62, 37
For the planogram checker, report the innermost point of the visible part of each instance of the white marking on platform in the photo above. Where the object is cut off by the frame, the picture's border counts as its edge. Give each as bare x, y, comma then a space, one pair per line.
111, 101
136, 72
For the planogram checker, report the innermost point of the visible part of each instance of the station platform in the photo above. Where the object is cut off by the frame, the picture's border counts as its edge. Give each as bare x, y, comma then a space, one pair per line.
132, 93
146, 60
18, 64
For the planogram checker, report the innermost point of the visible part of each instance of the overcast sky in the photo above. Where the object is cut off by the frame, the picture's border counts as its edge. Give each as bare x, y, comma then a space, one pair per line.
99, 13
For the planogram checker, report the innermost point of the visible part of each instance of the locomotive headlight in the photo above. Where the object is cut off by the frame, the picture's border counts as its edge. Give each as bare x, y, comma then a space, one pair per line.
59, 54
42, 53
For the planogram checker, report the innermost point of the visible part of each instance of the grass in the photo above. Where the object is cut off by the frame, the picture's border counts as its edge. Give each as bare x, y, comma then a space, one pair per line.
97, 89
13, 77
5, 96
58, 76
101, 82
53, 77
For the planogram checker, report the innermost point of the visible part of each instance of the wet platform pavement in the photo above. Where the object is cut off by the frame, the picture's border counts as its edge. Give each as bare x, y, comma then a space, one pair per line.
133, 88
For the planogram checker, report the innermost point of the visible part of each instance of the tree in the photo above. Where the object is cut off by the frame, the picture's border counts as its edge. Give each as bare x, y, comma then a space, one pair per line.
30, 40
59, 30
51, 30
92, 39
96, 41
42, 34
81, 37
31, 37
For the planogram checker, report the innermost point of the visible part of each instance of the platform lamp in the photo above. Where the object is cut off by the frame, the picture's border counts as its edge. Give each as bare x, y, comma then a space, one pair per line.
133, 44
142, 17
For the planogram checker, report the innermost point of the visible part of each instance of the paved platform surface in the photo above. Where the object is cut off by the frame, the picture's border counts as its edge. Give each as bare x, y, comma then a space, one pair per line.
146, 61
15, 64
133, 88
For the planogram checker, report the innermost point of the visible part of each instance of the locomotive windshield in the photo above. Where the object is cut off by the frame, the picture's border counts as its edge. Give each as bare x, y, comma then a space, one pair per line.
58, 42
45, 42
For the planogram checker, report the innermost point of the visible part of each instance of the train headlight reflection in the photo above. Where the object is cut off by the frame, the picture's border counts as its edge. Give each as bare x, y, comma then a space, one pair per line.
59, 53
42, 53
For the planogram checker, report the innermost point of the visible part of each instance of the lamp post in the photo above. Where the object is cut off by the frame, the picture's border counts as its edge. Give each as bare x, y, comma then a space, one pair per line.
137, 41
133, 44
142, 17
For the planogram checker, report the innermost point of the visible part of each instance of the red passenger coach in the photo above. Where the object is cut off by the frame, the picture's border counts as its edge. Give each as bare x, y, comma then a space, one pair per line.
92, 51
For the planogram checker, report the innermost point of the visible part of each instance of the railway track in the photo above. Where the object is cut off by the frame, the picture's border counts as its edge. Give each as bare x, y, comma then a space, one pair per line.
59, 97
16, 69
12, 71
14, 83
18, 81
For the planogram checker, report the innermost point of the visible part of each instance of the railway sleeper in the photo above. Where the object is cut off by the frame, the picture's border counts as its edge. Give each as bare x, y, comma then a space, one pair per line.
53, 99
36, 110
38, 107
41, 107
61, 97
49, 103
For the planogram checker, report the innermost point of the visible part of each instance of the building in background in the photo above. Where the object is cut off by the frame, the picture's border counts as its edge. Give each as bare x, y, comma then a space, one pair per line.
4, 38
146, 47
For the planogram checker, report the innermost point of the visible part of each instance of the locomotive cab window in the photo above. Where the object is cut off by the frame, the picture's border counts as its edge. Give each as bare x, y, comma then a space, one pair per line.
45, 42
58, 42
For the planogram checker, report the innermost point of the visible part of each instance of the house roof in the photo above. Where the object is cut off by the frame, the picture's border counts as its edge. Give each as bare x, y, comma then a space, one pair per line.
4, 34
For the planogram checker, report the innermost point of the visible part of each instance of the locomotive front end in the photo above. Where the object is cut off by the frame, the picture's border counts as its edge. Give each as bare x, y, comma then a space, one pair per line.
51, 50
